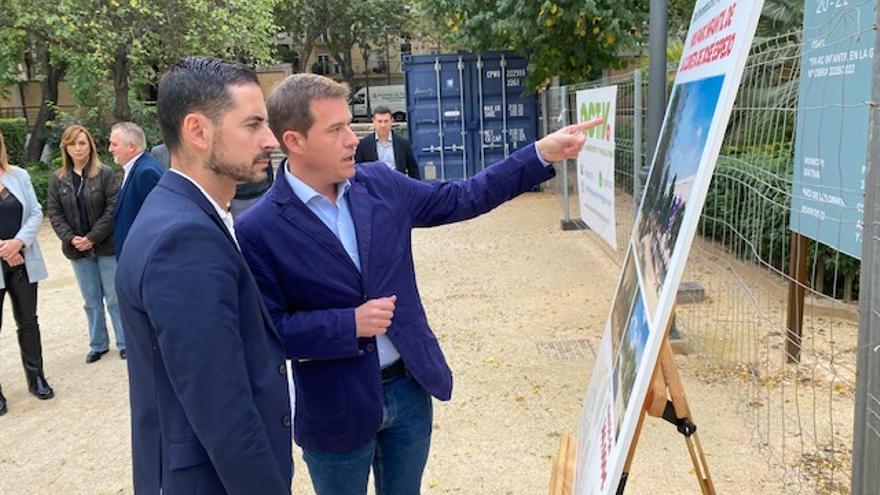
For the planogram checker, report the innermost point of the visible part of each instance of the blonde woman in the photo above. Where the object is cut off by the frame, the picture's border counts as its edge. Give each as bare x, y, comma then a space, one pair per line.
22, 267
82, 197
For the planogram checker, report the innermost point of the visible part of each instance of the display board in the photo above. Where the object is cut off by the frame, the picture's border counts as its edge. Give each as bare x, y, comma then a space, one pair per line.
703, 94
595, 163
831, 142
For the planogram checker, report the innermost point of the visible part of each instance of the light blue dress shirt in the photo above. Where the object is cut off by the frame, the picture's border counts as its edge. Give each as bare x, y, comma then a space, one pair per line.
337, 218
385, 151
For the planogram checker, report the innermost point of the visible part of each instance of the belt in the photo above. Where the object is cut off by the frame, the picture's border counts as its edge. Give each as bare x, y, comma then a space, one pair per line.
392, 371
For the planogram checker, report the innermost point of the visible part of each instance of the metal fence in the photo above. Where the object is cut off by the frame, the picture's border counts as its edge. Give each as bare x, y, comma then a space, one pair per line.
796, 394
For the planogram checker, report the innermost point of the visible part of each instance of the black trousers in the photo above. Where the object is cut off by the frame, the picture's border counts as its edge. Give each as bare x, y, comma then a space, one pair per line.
23, 295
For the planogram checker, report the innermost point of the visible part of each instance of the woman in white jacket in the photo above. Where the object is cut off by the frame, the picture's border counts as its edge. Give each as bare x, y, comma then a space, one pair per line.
22, 266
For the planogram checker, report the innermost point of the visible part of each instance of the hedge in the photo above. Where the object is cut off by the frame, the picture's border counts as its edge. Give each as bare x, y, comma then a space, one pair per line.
15, 136
40, 174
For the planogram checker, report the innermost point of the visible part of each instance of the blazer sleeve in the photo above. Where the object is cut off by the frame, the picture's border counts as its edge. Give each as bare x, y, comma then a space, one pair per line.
57, 218
361, 154
31, 224
203, 352
314, 334
447, 202
144, 182
103, 226
412, 166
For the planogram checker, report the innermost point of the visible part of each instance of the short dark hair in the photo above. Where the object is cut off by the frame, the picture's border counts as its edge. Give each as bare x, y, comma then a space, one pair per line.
290, 103
381, 110
197, 84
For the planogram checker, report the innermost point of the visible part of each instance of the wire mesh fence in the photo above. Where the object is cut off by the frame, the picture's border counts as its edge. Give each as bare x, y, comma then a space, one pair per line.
796, 392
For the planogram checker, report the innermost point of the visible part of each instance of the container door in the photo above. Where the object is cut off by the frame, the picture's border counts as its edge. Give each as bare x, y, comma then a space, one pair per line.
507, 119
435, 99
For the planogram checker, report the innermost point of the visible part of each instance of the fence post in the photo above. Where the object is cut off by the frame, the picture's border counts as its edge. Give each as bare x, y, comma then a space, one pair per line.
544, 123
657, 75
866, 421
563, 109
797, 270
637, 137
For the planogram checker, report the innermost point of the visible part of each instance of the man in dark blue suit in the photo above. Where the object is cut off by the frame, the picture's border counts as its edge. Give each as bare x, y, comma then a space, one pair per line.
330, 248
142, 171
210, 409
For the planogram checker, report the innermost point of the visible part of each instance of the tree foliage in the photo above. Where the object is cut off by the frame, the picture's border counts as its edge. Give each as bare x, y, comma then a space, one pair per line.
574, 39
125, 44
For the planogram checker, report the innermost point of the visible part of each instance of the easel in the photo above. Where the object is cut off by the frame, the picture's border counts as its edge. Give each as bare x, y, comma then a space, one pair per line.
665, 399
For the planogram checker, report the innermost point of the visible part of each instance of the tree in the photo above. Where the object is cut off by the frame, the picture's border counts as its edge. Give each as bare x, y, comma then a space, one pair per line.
90, 42
125, 37
43, 32
304, 21
361, 25
574, 39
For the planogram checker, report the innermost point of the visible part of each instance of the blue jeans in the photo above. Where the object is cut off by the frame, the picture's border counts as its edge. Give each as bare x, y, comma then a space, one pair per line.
96, 276
397, 453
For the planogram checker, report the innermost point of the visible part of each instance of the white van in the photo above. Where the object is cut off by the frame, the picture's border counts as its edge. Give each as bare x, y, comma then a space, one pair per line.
393, 97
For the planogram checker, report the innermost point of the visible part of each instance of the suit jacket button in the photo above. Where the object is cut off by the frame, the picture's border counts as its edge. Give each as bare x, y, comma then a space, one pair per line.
371, 347
285, 421
282, 370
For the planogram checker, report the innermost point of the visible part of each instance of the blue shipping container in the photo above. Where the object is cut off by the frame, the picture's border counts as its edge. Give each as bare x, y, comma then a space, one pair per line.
466, 111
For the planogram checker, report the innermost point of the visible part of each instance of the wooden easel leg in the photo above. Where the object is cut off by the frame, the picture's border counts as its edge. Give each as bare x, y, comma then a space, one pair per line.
666, 380
562, 473
682, 411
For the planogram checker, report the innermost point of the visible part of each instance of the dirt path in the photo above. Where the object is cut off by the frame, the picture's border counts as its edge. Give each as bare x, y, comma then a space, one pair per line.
517, 305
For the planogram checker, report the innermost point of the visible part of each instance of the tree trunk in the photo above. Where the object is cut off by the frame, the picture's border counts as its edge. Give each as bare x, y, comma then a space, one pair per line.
306, 51
819, 283
366, 53
52, 74
121, 69
387, 60
848, 280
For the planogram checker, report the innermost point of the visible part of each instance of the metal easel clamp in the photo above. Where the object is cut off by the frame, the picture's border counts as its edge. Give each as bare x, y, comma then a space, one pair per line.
683, 425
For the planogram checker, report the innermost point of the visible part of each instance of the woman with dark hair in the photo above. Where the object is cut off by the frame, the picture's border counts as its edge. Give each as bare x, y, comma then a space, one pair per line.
82, 197
22, 267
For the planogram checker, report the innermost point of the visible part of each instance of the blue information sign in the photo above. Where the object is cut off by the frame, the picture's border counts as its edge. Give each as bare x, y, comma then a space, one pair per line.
831, 147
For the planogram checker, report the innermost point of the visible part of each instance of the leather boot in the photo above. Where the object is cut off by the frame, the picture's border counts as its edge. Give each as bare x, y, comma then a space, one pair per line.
23, 295
2, 403
32, 360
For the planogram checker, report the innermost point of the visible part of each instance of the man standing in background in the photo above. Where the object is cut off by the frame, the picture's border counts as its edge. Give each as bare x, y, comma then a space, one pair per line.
384, 146
142, 173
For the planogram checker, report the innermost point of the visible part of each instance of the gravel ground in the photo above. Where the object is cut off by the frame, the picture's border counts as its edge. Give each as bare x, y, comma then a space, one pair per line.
518, 306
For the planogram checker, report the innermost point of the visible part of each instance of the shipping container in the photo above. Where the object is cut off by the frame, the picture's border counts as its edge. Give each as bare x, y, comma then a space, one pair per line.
466, 111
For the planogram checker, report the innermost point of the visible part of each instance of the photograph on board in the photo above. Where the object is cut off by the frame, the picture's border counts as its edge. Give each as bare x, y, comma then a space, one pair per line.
627, 365
623, 300
691, 109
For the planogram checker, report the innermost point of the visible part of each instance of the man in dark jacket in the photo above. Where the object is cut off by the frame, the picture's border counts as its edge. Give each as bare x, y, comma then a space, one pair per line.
384, 146
329, 246
142, 172
210, 411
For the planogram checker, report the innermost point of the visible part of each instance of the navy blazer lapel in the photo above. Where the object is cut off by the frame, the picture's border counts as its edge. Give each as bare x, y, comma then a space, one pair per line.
126, 183
361, 209
182, 185
292, 209
398, 155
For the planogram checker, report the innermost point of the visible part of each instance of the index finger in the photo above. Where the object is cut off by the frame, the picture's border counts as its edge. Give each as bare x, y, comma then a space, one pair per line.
583, 126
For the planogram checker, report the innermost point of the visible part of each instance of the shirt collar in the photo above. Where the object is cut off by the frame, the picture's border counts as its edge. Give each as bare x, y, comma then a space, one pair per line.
306, 193
127, 166
390, 137
220, 211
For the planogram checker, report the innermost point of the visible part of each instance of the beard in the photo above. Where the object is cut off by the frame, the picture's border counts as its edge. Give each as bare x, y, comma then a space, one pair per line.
237, 171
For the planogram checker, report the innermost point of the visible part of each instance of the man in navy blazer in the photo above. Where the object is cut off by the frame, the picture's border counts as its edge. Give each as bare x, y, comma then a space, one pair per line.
210, 410
142, 171
385, 146
330, 248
